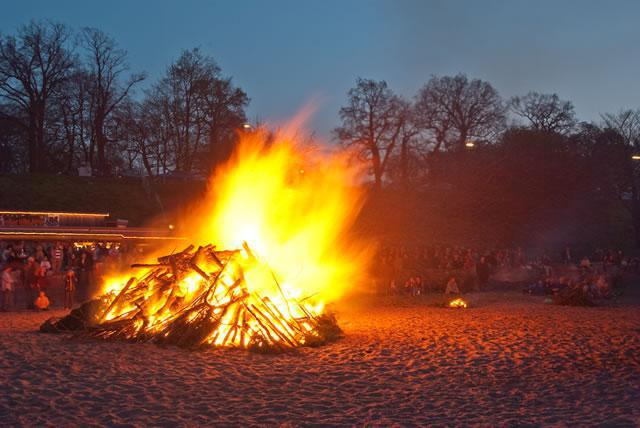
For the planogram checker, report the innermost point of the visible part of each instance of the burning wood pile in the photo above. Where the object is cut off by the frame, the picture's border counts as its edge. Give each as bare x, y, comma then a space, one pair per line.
201, 297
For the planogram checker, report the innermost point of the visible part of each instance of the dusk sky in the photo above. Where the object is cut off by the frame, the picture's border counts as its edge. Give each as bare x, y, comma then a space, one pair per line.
284, 53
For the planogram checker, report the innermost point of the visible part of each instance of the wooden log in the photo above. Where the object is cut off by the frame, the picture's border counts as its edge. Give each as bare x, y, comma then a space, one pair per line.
264, 328
117, 299
147, 265
274, 328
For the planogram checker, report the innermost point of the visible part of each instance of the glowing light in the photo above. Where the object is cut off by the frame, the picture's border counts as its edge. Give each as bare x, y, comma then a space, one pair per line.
52, 213
458, 303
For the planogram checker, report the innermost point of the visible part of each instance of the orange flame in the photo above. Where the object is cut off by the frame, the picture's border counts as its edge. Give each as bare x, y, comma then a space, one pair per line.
293, 208
288, 207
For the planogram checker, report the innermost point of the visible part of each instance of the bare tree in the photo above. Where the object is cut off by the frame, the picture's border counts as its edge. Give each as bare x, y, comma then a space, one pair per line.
72, 115
471, 109
196, 112
225, 114
627, 124
372, 122
106, 65
545, 112
411, 147
33, 68
434, 121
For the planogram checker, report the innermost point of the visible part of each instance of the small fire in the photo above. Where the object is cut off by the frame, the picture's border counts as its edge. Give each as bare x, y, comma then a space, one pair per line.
458, 303
278, 214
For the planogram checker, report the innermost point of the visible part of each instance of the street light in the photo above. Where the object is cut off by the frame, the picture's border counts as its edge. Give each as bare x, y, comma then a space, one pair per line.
469, 144
635, 157
246, 126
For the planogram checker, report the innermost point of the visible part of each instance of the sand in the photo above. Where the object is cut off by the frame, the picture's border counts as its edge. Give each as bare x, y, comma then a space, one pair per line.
511, 360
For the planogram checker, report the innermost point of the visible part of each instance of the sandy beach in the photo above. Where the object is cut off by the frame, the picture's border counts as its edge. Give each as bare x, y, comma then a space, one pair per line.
510, 360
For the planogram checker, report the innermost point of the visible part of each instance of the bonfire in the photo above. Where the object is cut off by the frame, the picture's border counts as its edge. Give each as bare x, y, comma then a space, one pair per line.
283, 254
201, 297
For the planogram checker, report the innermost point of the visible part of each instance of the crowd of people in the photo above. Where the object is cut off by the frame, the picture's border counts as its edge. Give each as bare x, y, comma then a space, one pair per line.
28, 270
454, 270
419, 270
31, 269
588, 277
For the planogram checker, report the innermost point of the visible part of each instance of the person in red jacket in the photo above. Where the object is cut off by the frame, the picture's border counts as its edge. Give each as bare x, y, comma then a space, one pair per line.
42, 302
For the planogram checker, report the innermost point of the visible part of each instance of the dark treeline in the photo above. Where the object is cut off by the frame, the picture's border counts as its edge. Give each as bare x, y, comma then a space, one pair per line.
460, 160
67, 101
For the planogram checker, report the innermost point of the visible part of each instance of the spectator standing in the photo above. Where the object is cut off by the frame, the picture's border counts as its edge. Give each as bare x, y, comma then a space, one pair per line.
85, 269
31, 281
46, 264
7, 288
41, 279
452, 286
70, 283
57, 257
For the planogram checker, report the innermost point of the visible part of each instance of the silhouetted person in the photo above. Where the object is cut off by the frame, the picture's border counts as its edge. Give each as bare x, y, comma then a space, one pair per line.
452, 286
7, 286
70, 282
85, 269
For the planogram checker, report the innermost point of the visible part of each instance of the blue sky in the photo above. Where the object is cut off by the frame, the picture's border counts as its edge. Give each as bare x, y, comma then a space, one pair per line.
284, 53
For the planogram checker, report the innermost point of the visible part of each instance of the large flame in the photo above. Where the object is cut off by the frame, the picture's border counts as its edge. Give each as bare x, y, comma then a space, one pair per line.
284, 208
293, 205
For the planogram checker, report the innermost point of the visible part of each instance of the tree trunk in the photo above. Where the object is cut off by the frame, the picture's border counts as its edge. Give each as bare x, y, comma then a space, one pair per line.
101, 142
32, 146
464, 134
377, 168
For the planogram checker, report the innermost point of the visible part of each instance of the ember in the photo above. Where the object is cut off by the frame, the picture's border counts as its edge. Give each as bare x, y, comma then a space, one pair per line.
458, 303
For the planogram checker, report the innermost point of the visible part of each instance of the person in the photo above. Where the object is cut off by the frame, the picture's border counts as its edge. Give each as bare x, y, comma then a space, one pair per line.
408, 286
8, 253
39, 253
602, 286
70, 281
46, 264
419, 285
85, 269
393, 288
7, 287
41, 278
57, 257
31, 281
42, 302
452, 286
